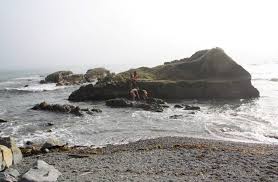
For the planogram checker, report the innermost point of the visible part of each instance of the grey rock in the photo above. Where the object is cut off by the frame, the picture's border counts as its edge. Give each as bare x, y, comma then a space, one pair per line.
51, 143
9, 175
41, 172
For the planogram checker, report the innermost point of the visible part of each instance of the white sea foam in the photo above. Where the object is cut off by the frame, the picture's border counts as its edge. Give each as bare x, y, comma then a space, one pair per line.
37, 88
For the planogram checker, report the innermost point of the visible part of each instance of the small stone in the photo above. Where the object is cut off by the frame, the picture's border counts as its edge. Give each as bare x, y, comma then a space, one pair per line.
175, 116
50, 124
29, 143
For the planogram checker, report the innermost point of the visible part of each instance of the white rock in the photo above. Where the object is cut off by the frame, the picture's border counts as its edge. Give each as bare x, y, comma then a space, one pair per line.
41, 172
7, 155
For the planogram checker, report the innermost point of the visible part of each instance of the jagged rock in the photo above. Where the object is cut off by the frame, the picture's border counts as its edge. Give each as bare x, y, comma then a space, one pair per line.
58, 108
178, 106
3, 121
206, 74
52, 143
41, 172
7, 156
96, 73
188, 107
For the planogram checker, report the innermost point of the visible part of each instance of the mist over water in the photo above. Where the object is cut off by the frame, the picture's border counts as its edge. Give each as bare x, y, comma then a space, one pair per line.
247, 120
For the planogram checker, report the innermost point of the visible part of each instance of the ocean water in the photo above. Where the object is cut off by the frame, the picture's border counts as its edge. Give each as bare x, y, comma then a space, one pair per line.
245, 120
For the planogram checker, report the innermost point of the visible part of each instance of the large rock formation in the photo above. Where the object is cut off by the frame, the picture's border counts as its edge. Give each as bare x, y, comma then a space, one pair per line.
64, 78
96, 73
57, 76
206, 74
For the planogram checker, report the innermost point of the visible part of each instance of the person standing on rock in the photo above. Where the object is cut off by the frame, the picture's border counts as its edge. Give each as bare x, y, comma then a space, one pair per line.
134, 86
133, 78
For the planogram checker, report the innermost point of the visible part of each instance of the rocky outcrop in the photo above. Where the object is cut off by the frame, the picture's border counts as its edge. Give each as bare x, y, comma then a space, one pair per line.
206, 74
151, 104
96, 73
57, 76
64, 78
58, 108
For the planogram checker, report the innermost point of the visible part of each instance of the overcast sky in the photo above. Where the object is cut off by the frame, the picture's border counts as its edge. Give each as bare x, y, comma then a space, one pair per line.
63, 33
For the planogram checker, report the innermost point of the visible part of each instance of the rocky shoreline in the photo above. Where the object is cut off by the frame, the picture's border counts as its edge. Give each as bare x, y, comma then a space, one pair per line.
164, 159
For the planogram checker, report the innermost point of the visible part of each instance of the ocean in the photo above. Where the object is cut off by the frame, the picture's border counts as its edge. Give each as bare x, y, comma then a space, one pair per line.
243, 120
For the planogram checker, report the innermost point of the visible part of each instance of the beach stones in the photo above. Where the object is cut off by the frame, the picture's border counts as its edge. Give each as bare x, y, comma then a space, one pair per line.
41, 172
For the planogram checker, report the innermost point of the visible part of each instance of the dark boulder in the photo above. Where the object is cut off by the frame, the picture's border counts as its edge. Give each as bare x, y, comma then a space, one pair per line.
178, 106
3, 121
58, 108
188, 107
151, 105
118, 102
96, 110
176, 116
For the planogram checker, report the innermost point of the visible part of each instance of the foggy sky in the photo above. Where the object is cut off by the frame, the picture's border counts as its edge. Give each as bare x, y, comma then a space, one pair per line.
63, 33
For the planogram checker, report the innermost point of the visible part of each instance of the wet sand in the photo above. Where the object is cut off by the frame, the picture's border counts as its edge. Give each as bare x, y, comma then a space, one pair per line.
165, 159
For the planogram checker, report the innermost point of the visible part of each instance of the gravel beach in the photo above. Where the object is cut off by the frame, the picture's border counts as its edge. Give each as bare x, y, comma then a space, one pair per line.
165, 159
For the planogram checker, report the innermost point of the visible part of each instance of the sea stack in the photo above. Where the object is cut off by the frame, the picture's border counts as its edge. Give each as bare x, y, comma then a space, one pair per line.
206, 74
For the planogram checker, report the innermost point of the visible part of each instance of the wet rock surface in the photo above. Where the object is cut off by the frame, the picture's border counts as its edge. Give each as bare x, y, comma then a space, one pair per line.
151, 104
58, 108
166, 159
